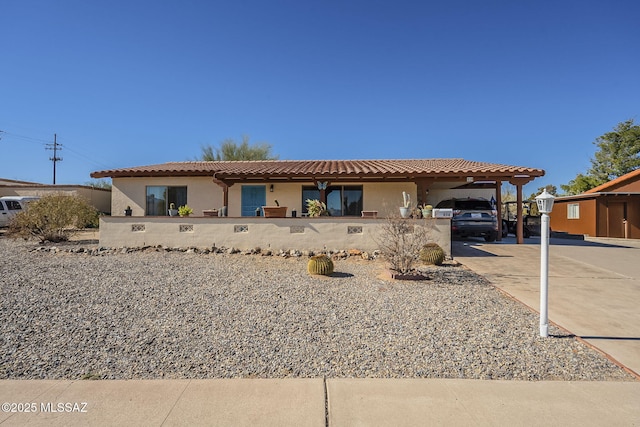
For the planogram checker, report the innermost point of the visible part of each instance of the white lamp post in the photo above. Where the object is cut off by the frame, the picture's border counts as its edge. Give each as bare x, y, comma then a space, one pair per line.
545, 206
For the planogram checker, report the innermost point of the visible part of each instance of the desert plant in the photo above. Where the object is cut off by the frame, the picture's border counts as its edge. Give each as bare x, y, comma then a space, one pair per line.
320, 264
432, 254
94, 222
406, 200
405, 209
185, 210
426, 210
53, 218
315, 207
400, 242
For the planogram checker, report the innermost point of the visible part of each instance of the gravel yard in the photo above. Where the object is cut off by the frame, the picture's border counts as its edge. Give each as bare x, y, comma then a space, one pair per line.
183, 315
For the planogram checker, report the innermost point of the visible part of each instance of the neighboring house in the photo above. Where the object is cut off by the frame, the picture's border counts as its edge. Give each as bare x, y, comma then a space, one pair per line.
99, 198
348, 187
609, 210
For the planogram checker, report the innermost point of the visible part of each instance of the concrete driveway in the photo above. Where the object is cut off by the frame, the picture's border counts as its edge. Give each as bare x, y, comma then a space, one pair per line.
594, 286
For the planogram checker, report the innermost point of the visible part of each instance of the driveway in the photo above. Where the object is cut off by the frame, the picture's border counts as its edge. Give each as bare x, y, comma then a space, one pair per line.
594, 286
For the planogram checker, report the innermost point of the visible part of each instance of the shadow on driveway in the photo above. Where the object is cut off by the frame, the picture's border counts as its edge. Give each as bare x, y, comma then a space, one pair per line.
477, 247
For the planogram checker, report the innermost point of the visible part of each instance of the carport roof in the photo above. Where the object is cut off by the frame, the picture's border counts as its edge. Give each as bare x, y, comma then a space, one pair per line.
334, 170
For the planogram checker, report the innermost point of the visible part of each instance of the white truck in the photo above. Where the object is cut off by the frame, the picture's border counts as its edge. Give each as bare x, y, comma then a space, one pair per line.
11, 205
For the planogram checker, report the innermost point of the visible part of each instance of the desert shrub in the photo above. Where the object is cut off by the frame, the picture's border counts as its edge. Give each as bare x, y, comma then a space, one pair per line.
53, 218
94, 222
400, 242
432, 254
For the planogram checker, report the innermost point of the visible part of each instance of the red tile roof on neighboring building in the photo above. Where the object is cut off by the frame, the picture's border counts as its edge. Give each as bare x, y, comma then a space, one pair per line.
318, 169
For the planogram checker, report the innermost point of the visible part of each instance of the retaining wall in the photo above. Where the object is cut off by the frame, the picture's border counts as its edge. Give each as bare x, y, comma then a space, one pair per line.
323, 233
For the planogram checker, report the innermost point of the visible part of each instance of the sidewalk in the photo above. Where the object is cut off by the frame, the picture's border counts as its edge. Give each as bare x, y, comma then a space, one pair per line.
314, 402
594, 286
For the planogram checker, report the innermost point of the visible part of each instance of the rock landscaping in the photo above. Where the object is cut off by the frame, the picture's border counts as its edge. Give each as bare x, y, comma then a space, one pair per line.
78, 311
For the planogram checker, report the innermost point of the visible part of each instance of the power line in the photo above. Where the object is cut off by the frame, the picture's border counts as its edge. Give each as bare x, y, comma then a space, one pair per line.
26, 138
49, 145
85, 157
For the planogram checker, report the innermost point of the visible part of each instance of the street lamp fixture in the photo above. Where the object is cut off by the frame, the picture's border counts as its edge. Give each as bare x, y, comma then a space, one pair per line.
545, 206
545, 202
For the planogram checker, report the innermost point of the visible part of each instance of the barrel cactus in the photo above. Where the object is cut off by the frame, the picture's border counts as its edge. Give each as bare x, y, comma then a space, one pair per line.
432, 254
320, 264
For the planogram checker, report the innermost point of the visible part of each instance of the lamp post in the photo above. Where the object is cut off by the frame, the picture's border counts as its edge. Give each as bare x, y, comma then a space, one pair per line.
545, 206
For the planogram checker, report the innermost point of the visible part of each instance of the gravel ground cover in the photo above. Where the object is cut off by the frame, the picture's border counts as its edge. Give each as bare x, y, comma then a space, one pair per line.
159, 314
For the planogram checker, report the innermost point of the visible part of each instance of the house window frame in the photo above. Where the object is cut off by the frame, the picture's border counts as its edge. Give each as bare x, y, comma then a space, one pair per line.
311, 192
178, 199
573, 210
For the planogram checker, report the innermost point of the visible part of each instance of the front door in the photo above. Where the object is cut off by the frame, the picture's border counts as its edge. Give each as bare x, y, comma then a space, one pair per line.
253, 197
616, 216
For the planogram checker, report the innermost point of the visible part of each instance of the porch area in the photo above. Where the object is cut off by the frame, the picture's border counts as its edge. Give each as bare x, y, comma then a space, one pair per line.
314, 234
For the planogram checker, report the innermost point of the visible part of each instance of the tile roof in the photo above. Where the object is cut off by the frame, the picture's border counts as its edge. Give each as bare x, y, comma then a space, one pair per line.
235, 170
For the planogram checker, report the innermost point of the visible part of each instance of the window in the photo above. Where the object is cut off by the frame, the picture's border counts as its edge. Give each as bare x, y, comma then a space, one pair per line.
342, 200
13, 205
573, 211
159, 198
309, 193
352, 200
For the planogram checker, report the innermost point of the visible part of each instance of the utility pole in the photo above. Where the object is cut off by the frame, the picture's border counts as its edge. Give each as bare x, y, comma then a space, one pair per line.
55, 157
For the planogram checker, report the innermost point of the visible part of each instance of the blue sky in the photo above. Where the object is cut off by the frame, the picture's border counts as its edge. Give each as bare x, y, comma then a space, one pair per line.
127, 83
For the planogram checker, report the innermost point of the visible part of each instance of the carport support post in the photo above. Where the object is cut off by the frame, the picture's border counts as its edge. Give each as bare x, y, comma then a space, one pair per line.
519, 181
544, 276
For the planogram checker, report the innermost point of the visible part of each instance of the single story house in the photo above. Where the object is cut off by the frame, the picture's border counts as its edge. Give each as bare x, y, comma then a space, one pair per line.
609, 210
352, 190
99, 198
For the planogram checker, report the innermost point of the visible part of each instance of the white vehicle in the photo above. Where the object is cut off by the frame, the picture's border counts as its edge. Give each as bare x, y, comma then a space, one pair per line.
11, 205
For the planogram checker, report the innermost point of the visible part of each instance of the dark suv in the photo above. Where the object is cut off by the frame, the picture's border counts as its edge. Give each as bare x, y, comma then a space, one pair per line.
472, 217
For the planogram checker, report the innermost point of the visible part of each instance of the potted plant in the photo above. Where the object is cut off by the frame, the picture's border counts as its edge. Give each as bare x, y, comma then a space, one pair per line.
128, 211
405, 210
172, 209
276, 211
185, 210
427, 211
316, 208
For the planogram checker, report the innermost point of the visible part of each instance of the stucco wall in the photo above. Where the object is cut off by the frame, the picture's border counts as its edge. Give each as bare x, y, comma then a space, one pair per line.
383, 197
203, 193
250, 232
386, 198
97, 197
